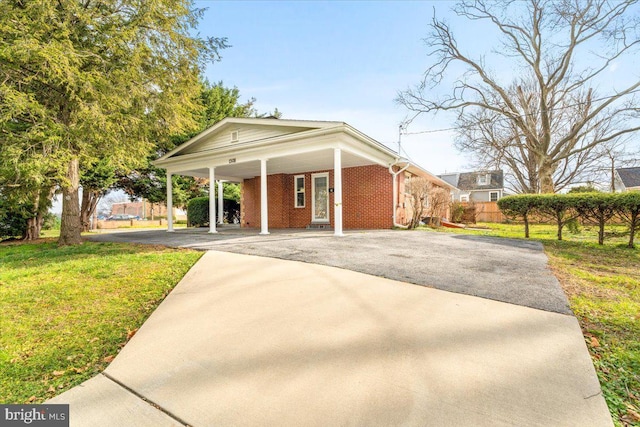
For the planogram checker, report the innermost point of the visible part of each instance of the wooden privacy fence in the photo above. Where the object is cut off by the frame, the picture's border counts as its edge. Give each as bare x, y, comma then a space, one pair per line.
487, 212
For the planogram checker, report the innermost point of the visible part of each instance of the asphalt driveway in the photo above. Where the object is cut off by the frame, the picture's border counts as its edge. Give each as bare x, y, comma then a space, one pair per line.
508, 270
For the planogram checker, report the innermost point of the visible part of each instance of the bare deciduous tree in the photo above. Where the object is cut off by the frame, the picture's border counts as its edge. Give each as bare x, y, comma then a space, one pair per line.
418, 190
547, 125
439, 200
426, 199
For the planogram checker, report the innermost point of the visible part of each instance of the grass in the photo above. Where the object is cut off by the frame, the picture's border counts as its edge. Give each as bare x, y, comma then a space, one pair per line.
66, 312
602, 284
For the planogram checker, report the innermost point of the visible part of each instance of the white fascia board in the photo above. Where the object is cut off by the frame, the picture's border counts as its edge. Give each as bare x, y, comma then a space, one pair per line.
238, 149
249, 121
282, 146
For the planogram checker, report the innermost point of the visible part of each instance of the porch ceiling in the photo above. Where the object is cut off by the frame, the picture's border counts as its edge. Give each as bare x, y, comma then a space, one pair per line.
292, 164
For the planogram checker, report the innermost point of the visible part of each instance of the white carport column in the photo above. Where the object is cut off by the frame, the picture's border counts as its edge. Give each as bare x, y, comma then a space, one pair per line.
220, 203
264, 207
169, 203
212, 200
337, 191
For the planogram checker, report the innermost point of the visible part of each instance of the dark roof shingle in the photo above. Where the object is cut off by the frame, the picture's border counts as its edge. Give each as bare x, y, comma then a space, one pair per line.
469, 180
630, 176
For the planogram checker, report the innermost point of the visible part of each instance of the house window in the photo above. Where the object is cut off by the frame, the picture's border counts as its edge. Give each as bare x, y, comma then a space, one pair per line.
235, 136
299, 190
482, 180
493, 196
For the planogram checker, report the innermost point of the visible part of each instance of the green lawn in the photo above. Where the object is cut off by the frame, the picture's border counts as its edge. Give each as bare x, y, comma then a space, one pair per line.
66, 312
603, 287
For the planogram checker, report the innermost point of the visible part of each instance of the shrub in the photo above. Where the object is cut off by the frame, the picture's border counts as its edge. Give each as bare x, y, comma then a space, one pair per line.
598, 208
13, 220
198, 212
565, 209
628, 210
457, 211
469, 214
519, 206
560, 207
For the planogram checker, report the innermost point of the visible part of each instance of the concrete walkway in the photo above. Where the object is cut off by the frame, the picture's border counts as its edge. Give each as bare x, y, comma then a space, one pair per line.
253, 341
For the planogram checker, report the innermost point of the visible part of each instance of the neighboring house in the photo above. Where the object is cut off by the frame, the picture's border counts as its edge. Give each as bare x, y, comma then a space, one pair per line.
480, 186
144, 209
628, 179
299, 173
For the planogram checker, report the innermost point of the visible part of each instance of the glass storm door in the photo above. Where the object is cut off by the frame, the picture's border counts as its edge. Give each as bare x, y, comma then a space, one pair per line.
320, 197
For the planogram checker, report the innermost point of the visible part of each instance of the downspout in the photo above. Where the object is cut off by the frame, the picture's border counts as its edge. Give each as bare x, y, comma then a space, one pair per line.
395, 189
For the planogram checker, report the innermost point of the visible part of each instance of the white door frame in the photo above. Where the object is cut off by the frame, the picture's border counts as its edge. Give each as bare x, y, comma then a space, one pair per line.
313, 198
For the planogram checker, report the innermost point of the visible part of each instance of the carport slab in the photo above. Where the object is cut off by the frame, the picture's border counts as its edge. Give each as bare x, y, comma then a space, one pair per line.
246, 340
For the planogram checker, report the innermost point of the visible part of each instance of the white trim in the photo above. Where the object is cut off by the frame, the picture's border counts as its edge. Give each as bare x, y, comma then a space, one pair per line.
337, 191
220, 202
249, 121
169, 203
264, 206
212, 201
313, 199
296, 192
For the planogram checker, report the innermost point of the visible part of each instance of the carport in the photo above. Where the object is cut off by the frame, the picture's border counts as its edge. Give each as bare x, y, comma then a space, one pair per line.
240, 149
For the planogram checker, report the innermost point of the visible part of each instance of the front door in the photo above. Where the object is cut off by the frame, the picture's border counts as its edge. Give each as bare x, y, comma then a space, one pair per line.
320, 197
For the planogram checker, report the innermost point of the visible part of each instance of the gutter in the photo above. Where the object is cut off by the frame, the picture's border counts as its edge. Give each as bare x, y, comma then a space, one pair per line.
395, 189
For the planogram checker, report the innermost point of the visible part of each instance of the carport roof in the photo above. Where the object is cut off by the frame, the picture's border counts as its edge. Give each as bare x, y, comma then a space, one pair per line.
291, 146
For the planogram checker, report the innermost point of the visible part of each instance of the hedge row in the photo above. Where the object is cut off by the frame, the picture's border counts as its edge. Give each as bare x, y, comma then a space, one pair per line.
598, 208
198, 212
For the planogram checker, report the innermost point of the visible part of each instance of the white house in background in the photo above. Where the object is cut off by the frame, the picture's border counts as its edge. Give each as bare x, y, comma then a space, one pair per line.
479, 186
627, 179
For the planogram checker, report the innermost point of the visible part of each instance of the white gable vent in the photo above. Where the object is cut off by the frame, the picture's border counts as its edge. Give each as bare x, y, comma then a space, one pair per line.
235, 136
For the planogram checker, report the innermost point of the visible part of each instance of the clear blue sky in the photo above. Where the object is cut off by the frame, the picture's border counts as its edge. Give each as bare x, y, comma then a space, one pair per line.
336, 60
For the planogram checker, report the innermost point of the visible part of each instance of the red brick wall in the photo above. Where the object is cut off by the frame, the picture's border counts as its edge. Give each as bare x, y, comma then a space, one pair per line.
366, 196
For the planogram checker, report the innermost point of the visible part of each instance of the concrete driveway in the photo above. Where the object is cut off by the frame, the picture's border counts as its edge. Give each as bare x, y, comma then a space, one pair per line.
507, 270
254, 341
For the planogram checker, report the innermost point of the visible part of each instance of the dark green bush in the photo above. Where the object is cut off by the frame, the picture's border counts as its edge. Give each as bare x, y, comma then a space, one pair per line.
628, 210
562, 208
565, 209
13, 220
520, 206
198, 212
597, 208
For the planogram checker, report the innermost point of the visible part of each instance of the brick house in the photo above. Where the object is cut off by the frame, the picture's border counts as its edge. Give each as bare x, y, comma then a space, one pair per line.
145, 209
299, 174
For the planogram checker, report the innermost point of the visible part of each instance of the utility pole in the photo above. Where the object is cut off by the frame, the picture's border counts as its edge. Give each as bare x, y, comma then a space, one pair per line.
400, 129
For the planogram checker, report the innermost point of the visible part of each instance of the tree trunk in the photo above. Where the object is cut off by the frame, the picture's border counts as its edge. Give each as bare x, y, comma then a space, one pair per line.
546, 179
90, 201
634, 224
601, 223
613, 176
560, 225
70, 226
32, 232
526, 225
